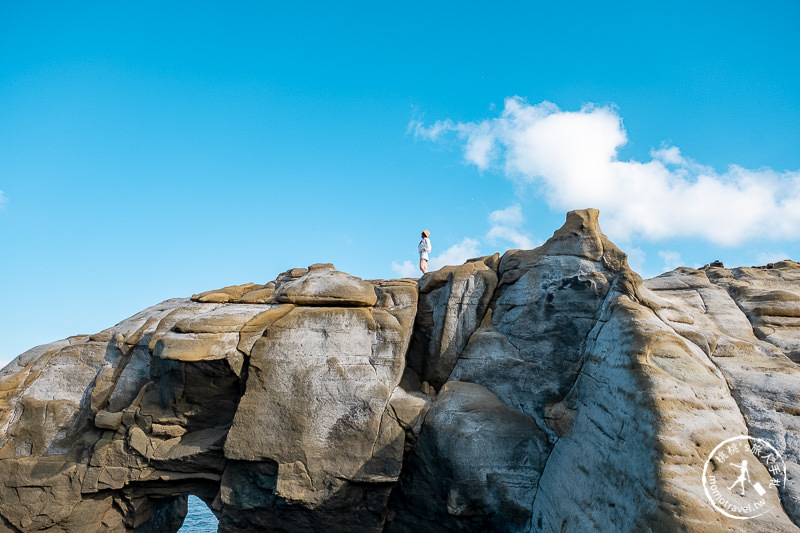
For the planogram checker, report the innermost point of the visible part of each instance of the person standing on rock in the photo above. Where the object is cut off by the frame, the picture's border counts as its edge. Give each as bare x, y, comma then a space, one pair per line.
424, 249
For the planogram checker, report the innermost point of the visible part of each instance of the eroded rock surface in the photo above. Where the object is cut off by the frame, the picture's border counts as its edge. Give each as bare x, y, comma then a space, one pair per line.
544, 390
452, 302
292, 383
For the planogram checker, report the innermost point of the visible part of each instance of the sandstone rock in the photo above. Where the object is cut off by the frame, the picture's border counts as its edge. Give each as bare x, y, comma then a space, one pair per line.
106, 420
324, 285
227, 294
206, 336
256, 327
527, 351
408, 409
548, 301
292, 274
225, 319
770, 299
452, 303
258, 296
107, 373
487, 458
321, 381
572, 396
760, 376
634, 375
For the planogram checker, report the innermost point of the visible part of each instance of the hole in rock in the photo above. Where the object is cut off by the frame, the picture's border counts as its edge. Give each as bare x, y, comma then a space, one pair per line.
199, 518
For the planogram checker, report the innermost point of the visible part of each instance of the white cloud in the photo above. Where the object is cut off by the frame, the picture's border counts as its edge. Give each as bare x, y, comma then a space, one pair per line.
430, 133
456, 254
672, 259
3, 199
574, 156
771, 257
510, 216
514, 236
406, 269
505, 225
670, 155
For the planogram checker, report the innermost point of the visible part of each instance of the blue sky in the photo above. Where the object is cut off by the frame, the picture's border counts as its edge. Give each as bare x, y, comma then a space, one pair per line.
155, 150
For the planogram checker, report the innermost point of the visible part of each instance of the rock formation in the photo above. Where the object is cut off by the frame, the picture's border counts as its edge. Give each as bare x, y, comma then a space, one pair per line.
545, 390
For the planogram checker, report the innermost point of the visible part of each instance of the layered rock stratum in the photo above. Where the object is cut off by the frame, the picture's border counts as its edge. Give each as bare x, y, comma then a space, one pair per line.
545, 390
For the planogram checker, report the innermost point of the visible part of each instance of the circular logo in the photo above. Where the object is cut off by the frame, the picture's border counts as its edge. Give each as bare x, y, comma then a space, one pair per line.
735, 485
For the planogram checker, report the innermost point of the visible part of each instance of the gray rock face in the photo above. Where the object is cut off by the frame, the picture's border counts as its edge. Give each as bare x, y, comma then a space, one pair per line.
544, 390
527, 353
488, 458
530, 349
452, 302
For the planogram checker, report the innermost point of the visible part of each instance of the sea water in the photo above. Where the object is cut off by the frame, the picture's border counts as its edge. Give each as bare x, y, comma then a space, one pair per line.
199, 519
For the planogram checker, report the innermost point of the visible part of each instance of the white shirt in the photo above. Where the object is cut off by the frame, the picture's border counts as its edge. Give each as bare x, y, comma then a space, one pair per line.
424, 248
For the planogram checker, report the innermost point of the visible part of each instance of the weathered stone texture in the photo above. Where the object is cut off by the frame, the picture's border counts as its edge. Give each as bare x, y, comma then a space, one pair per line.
545, 390
452, 303
137, 417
